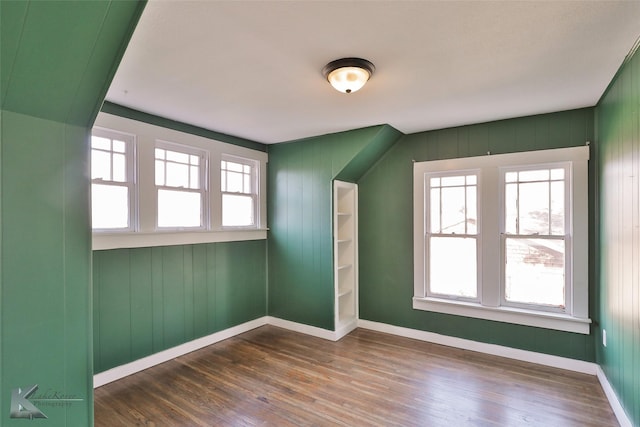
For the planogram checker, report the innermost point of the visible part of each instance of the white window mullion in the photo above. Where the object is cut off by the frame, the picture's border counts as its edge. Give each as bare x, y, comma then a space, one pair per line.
492, 246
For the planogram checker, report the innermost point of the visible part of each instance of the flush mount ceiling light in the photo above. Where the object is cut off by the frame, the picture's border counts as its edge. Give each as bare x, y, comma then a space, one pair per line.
347, 75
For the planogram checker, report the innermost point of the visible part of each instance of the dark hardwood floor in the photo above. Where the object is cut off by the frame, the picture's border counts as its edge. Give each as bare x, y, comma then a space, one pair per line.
274, 377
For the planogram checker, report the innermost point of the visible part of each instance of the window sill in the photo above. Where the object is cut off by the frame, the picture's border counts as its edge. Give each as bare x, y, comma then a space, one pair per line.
103, 241
557, 321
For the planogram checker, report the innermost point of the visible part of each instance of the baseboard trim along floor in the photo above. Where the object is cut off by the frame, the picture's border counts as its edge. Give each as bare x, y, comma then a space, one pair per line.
581, 366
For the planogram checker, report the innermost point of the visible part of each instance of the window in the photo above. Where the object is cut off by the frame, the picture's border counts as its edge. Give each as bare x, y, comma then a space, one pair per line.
185, 188
180, 184
504, 237
452, 235
534, 234
112, 180
238, 187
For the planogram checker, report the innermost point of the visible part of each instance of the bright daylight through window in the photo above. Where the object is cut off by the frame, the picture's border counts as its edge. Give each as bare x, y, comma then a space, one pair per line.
534, 237
237, 183
180, 190
504, 237
112, 180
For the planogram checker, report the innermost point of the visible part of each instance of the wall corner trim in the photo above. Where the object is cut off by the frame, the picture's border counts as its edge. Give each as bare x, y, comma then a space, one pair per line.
612, 397
305, 329
493, 349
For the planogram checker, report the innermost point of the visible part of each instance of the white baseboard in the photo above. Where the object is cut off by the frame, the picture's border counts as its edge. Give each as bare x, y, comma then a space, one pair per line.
305, 329
155, 359
497, 350
621, 415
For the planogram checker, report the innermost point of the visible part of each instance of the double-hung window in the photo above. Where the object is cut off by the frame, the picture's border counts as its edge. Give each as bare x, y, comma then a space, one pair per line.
238, 184
180, 173
112, 181
452, 235
504, 238
535, 236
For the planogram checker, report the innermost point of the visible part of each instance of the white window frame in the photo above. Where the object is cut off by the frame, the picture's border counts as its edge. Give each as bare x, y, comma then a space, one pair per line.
566, 237
147, 234
130, 172
575, 318
429, 234
254, 194
203, 184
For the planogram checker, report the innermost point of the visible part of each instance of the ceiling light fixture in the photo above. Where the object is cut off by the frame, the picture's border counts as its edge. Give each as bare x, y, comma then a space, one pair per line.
347, 75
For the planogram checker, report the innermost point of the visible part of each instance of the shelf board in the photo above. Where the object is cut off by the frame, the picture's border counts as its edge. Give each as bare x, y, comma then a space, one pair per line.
345, 293
344, 213
342, 267
343, 240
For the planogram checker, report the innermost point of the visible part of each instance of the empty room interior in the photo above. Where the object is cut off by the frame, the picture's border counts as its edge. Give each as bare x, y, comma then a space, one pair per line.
320, 213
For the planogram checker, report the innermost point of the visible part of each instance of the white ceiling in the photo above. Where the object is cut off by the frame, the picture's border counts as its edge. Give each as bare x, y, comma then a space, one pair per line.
253, 68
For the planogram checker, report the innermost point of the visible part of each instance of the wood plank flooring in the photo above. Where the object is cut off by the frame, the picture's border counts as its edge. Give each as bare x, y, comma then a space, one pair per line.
274, 377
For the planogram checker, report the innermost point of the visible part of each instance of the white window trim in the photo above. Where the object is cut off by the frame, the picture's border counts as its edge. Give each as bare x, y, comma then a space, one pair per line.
203, 190
146, 233
131, 183
577, 319
255, 185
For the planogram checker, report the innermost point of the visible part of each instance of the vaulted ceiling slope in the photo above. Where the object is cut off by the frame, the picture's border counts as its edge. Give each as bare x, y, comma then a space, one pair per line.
253, 69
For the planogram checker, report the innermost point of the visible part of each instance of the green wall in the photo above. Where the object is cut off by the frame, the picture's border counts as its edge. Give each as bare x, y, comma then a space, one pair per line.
300, 218
58, 59
386, 227
149, 299
618, 147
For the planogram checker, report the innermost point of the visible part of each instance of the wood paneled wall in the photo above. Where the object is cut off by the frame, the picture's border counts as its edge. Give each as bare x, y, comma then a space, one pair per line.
386, 227
149, 299
299, 214
618, 148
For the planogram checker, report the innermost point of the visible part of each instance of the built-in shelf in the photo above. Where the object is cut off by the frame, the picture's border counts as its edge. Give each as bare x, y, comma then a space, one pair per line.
345, 234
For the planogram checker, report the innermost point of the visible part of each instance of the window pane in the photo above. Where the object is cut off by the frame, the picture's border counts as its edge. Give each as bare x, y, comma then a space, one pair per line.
119, 168
101, 143
236, 167
557, 174
234, 182
453, 209
557, 208
179, 209
100, 165
109, 206
538, 175
511, 208
175, 156
194, 179
453, 266
511, 177
533, 205
534, 271
247, 184
159, 172
472, 214
237, 210
434, 203
177, 175
448, 181
159, 153
118, 146
195, 160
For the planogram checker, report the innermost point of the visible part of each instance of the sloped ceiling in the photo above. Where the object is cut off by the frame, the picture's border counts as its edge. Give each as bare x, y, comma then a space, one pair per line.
253, 69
